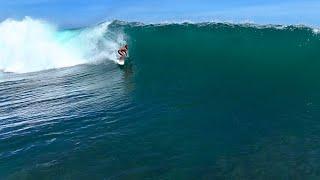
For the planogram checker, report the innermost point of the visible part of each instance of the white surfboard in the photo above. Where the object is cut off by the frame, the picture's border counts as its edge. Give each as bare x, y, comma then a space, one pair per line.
120, 62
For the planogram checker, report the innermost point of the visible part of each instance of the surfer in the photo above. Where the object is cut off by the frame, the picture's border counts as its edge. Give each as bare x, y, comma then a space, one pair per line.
123, 51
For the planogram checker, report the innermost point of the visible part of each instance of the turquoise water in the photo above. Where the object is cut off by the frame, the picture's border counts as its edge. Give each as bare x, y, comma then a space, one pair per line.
194, 101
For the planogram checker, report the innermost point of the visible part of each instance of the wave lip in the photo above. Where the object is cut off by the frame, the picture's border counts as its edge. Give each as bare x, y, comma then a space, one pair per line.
33, 45
248, 23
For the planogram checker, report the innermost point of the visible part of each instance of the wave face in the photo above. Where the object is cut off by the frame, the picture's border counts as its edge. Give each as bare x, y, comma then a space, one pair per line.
34, 45
207, 44
195, 60
194, 101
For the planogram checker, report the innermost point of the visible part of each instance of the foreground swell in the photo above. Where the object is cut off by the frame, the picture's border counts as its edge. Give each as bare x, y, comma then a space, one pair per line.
194, 100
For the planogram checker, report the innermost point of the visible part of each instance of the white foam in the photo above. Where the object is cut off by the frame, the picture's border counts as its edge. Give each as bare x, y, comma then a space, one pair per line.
316, 31
34, 45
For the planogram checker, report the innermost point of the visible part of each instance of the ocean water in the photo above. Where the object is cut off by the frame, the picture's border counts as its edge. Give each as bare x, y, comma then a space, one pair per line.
194, 101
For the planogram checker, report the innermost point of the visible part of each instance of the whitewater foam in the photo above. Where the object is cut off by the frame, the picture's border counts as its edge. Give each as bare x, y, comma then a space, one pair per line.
33, 45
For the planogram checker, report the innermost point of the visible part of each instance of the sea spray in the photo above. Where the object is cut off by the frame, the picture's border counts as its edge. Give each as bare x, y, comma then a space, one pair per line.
32, 45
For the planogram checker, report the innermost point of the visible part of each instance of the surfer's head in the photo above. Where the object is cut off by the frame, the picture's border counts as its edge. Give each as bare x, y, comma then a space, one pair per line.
126, 46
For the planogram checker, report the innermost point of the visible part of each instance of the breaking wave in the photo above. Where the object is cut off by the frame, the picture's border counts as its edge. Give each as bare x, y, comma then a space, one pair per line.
34, 45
